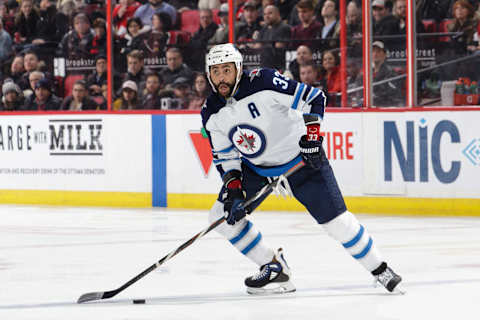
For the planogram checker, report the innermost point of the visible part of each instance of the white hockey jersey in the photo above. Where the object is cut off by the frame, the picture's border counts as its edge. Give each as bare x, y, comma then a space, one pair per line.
261, 124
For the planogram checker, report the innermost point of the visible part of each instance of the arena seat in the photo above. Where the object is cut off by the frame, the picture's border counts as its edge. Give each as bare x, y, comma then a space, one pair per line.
430, 25
442, 27
190, 20
178, 37
69, 81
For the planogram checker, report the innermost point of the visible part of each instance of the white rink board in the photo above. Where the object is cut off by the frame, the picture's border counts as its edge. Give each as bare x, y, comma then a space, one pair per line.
355, 145
118, 158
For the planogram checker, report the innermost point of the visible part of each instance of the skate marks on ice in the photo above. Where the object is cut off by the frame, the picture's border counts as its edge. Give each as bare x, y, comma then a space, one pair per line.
305, 293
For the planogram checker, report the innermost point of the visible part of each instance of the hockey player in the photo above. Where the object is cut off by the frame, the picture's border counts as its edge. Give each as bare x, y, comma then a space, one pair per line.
261, 124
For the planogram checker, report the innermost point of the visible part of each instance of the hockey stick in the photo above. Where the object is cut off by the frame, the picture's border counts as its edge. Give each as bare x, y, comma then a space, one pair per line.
267, 189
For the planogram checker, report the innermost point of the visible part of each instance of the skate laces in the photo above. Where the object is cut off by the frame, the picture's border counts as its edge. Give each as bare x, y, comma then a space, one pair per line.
384, 277
265, 271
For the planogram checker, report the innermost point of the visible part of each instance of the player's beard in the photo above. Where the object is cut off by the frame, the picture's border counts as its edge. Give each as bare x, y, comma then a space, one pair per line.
230, 91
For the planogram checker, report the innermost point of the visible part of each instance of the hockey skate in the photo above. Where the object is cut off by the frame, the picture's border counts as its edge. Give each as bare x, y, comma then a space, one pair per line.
274, 277
387, 278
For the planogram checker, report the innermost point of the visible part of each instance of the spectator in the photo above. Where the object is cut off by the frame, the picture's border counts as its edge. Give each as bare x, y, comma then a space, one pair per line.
52, 25
221, 34
309, 74
33, 78
277, 33
256, 4
135, 37
354, 29
6, 50
44, 98
31, 63
384, 23
136, 71
26, 23
79, 100
309, 28
13, 7
400, 13
17, 69
331, 76
386, 94
66, 10
152, 98
157, 40
199, 42
304, 55
146, 11
12, 99
7, 19
77, 44
433, 9
464, 23
175, 67
123, 11
99, 42
246, 29
201, 90
182, 91
98, 77
331, 28
128, 97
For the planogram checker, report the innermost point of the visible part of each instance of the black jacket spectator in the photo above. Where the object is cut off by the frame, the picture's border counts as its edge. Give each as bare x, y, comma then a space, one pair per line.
44, 98
51, 26
77, 44
169, 76
26, 22
199, 42
273, 49
387, 94
250, 26
175, 68
87, 103
387, 25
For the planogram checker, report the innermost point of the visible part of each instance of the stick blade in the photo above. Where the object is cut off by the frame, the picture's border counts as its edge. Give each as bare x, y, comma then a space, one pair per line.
92, 296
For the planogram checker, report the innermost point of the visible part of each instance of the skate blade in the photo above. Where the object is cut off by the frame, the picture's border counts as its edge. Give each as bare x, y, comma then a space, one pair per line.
277, 288
398, 290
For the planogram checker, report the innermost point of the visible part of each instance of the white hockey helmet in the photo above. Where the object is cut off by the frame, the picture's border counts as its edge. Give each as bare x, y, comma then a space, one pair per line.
224, 53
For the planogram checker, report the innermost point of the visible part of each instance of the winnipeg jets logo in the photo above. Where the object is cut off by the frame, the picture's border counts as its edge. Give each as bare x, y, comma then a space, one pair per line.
250, 141
246, 141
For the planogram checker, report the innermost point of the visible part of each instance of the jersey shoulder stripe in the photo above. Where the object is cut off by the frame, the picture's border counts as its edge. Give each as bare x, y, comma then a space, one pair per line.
264, 79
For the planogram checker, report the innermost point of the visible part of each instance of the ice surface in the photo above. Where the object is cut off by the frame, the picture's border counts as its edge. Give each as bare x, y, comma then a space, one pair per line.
49, 256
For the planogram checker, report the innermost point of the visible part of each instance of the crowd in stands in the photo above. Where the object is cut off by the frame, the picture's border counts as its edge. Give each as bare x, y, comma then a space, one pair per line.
54, 52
